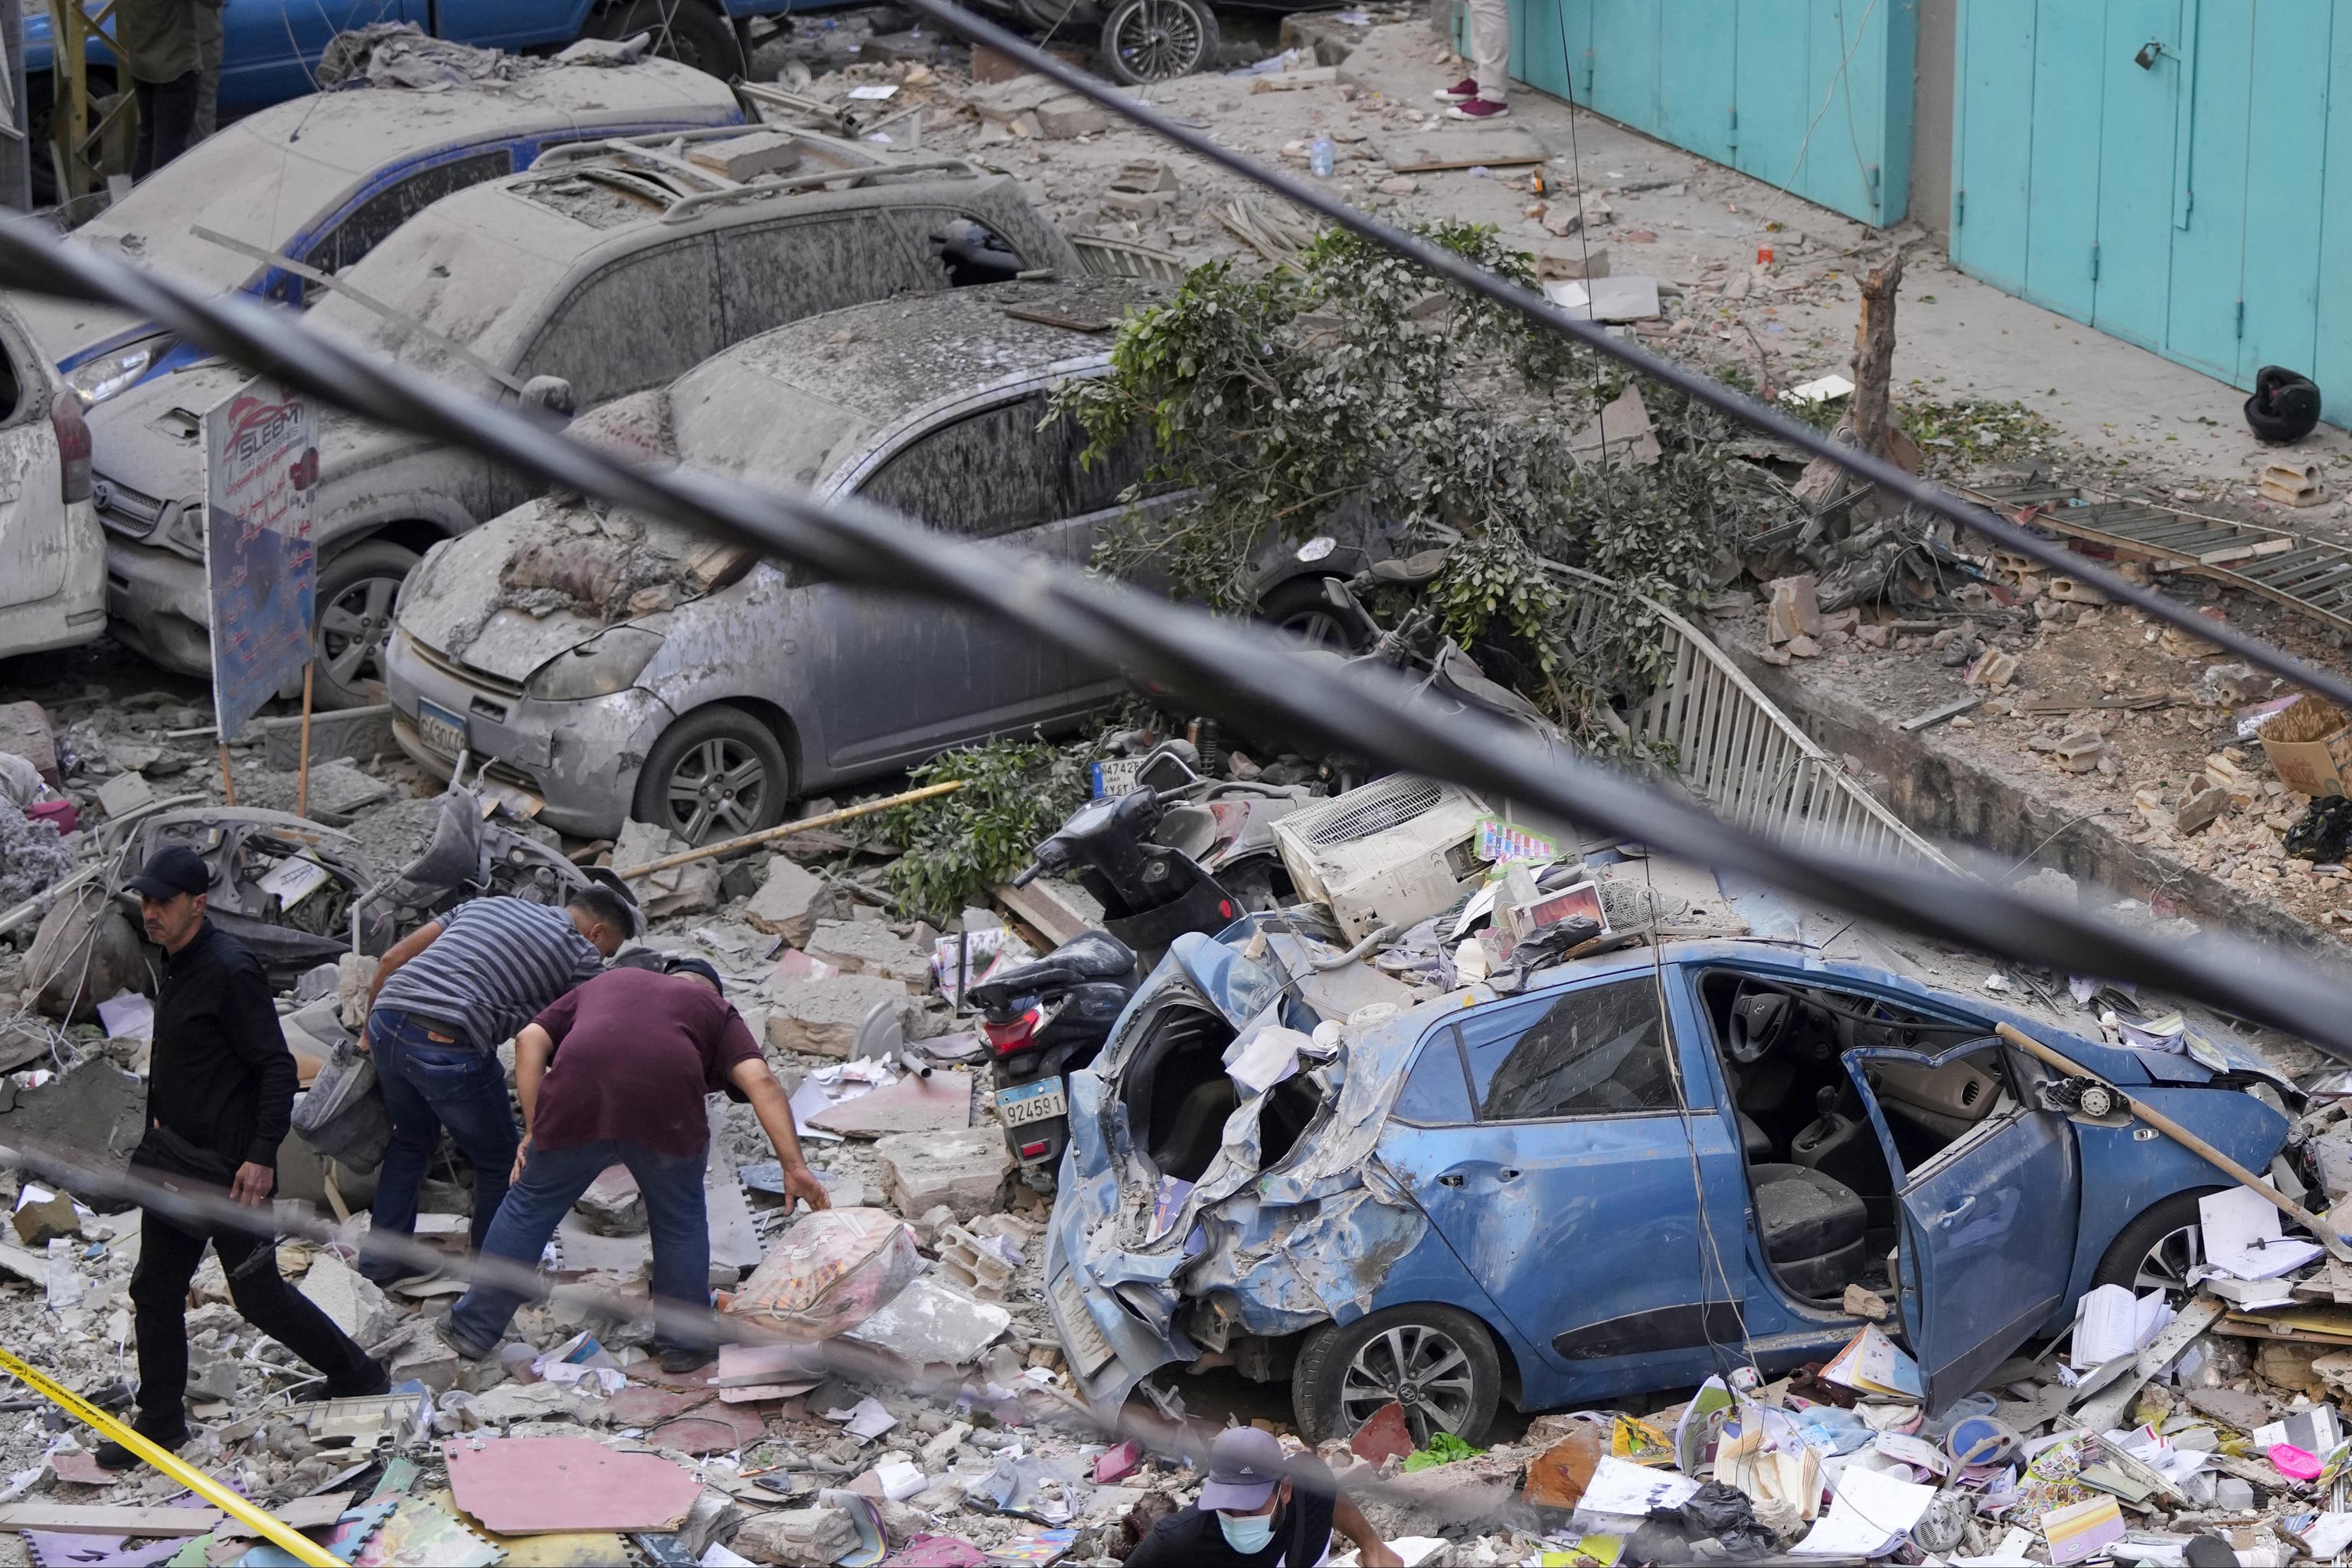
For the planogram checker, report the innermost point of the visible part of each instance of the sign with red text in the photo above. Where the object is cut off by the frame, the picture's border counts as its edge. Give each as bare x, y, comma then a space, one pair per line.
261, 470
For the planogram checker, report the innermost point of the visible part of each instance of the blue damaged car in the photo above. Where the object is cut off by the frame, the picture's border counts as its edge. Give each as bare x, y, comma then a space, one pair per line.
1632, 1171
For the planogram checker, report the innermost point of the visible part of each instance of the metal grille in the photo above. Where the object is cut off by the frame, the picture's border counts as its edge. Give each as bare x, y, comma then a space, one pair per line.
1375, 808
2301, 573
1737, 753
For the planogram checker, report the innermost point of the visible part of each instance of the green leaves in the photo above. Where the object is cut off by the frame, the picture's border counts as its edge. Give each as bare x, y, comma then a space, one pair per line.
958, 846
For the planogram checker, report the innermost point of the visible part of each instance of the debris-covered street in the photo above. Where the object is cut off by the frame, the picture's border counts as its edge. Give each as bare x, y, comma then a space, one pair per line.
636, 924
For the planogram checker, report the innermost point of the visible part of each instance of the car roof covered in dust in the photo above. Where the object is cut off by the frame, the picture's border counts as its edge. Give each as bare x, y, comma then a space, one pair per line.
788, 406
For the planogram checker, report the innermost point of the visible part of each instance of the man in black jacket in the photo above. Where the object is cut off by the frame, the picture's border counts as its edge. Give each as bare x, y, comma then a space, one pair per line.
220, 1097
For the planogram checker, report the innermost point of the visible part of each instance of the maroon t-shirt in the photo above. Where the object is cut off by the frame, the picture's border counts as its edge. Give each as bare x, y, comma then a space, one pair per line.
634, 1053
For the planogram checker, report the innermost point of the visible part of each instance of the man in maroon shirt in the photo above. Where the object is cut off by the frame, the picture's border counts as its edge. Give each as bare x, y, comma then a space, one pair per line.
614, 1074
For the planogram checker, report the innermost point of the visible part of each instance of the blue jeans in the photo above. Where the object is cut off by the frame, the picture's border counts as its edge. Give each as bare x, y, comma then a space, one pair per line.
552, 1180
427, 1085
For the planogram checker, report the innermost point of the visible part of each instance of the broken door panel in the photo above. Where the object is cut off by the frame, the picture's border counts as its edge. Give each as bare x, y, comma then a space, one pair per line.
1987, 1227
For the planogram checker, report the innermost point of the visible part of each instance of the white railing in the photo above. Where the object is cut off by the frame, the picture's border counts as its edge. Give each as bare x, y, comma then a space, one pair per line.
1737, 753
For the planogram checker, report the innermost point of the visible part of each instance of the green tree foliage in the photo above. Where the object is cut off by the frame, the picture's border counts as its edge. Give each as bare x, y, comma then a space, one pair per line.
1353, 385
958, 846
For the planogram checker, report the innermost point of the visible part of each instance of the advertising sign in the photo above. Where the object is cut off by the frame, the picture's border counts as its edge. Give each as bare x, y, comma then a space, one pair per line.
261, 470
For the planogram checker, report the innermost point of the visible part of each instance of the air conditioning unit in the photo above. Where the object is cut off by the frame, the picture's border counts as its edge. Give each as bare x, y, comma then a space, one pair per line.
1392, 853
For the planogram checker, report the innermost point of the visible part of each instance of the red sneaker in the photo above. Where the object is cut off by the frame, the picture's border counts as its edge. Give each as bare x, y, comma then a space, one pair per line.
1462, 91
1478, 109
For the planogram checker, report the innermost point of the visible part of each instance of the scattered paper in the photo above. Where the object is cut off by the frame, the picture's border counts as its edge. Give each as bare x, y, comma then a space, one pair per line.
1873, 1363
2083, 1530
1619, 1486
1868, 1509
2242, 1236
1271, 1055
1633, 298
1824, 389
294, 879
867, 1420
2110, 1321
874, 94
129, 1017
2328, 1535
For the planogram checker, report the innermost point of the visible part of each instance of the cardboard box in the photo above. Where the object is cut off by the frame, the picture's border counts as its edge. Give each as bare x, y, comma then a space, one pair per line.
2310, 745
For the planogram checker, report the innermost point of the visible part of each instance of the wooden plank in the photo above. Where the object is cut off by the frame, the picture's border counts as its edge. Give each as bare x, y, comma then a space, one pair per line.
1040, 906
1420, 152
302, 1513
107, 1518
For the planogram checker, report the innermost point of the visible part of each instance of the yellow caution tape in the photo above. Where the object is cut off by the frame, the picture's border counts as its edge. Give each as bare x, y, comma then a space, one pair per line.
303, 1549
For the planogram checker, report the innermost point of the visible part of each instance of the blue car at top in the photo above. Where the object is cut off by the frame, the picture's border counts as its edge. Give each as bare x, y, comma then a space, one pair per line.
1628, 1174
321, 181
270, 48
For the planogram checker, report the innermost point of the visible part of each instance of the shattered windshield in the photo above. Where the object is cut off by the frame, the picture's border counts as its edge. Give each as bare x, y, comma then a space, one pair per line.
462, 284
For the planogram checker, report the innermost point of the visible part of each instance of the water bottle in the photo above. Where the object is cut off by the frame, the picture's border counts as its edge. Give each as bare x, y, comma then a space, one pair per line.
1321, 157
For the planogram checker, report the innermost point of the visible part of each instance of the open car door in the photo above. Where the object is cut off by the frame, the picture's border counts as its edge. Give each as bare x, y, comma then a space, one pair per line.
1987, 1203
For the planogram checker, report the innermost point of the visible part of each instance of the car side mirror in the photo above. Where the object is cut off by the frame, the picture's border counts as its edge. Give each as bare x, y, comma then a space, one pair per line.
552, 393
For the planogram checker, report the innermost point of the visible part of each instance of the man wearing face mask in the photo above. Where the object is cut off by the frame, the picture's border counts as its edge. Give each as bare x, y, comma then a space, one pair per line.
1256, 1512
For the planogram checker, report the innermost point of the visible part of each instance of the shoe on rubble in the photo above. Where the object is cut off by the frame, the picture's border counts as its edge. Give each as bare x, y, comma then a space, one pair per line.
1462, 91
1478, 109
171, 1435
678, 1362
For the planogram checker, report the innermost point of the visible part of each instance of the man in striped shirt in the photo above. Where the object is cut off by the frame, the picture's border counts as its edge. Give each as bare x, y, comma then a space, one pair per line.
446, 996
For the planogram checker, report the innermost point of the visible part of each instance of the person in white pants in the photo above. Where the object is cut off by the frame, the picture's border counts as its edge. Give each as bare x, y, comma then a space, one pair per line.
1487, 95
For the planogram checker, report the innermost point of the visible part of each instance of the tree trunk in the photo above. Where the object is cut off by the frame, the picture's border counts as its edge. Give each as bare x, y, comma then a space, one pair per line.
1873, 357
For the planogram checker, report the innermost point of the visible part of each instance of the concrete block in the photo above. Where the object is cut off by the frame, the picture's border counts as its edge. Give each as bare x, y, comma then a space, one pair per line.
869, 947
1794, 612
694, 885
345, 733
747, 157
963, 1171
214, 1380
612, 1205
1994, 671
429, 1360
1071, 116
2080, 751
2200, 809
339, 792
24, 732
932, 1323
820, 1016
125, 794
39, 1224
786, 902
354, 1303
797, 1535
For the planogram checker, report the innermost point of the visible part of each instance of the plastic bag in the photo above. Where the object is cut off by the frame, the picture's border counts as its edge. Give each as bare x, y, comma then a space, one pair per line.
342, 1114
829, 1272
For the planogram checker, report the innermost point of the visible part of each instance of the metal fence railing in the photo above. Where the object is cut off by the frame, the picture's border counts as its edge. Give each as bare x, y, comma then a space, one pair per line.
1735, 752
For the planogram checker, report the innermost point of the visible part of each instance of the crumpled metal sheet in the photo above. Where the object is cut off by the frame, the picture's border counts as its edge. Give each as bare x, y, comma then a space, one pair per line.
1289, 1266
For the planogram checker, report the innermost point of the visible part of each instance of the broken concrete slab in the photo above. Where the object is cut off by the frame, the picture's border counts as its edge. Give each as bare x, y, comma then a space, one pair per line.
533, 1486
38, 1224
786, 902
1385, 1434
822, 1016
353, 1302
694, 885
339, 792
958, 1171
612, 1205
718, 1429
942, 1102
345, 733
931, 1323
125, 794
2200, 809
1793, 612
96, 1110
25, 732
869, 947
819, 1534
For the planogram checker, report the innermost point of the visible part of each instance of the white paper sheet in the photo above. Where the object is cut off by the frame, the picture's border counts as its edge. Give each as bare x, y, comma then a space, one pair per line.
1271, 1055
1867, 1511
2328, 1536
1620, 1485
129, 1017
2110, 1321
2242, 1236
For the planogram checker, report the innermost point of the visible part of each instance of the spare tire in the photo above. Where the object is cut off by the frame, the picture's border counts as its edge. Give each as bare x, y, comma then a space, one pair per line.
2284, 407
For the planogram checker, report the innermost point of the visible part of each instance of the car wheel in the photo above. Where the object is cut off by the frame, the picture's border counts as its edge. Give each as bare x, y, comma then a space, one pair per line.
1158, 40
2156, 1251
715, 775
687, 31
1298, 610
1439, 1363
358, 593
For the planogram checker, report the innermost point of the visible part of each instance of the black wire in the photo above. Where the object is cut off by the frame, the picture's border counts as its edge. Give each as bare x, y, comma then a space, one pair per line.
1246, 675
1453, 269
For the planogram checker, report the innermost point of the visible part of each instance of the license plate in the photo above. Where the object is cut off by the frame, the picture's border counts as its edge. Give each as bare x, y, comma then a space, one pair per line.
1117, 778
438, 728
1083, 1338
1039, 1101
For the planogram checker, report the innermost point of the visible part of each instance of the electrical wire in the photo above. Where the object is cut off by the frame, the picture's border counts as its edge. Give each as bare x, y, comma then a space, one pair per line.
1245, 675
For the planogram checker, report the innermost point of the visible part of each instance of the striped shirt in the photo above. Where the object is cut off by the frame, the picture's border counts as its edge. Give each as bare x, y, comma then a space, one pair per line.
497, 963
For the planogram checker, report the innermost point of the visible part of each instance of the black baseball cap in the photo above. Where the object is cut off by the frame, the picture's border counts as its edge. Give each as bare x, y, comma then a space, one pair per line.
697, 966
173, 871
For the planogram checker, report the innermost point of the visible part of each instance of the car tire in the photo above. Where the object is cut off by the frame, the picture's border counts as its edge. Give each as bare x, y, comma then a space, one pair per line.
1346, 1372
1158, 40
359, 591
1299, 610
2157, 1251
726, 739
688, 31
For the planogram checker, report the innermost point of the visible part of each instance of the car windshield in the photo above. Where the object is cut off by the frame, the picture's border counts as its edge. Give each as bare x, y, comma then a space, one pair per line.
734, 419
250, 187
462, 284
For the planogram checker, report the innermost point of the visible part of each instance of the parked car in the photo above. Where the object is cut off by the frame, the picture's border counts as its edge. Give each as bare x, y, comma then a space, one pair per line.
270, 48
52, 554
736, 684
611, 268
1599, 1183
322, 182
